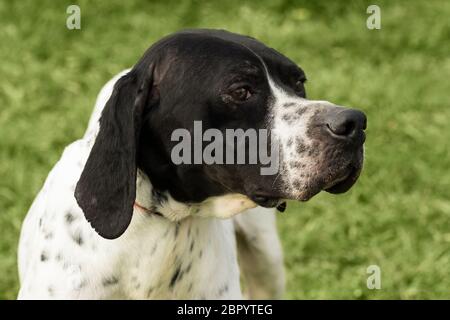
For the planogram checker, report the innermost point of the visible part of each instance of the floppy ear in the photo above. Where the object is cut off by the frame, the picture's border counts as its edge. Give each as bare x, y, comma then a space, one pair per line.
106, 190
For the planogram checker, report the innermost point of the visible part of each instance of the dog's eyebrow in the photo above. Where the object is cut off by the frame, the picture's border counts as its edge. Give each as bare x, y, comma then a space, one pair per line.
252, 69
249, 70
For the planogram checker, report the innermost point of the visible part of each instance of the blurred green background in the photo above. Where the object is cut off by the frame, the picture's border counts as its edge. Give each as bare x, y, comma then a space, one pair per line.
398, 214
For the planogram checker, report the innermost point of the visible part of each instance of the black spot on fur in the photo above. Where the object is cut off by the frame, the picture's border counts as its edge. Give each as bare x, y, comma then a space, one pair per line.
177, 274
188, 268
301, 111
58, 257
78, 238
200, 254
44, 256
50, 291
223, 290
289, 118
158, 197
289, 104
110, 281
191, 248
314, 151
149, 292
295, 164
69, 217
289, 142
300, 146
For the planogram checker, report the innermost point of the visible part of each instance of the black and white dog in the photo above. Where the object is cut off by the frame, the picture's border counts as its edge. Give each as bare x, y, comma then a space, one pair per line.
116, 218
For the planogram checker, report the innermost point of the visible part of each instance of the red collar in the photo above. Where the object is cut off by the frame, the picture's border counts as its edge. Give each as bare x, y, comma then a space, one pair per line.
145, 210
138, 206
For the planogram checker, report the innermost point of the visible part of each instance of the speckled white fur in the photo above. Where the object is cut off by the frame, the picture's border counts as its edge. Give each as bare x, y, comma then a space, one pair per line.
287, 108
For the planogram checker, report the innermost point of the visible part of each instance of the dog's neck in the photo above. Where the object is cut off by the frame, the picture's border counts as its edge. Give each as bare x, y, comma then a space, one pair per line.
155, 202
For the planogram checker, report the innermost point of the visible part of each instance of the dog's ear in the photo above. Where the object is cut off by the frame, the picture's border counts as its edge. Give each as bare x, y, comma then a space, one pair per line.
106, 190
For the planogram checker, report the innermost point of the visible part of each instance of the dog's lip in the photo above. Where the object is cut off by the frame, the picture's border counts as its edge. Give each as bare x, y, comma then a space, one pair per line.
337, 181
266, 200
343, 183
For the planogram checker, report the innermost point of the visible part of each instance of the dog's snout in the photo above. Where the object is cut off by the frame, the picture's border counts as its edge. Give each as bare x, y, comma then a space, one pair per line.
347, 123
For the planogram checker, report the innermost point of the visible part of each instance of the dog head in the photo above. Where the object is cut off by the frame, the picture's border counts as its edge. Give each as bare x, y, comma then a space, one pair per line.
221, 81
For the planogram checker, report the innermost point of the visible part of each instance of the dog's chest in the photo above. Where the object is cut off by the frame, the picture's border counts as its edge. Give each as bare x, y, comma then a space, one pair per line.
154, 259
194, 258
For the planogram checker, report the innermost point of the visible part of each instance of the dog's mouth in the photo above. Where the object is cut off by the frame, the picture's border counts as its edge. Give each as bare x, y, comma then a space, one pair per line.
266, 200
340, 183
344, 182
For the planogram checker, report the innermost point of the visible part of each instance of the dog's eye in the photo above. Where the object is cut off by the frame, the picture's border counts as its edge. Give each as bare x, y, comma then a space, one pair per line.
299, 87
241, 94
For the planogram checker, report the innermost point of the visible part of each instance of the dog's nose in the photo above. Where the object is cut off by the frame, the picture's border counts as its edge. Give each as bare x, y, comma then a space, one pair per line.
347, 124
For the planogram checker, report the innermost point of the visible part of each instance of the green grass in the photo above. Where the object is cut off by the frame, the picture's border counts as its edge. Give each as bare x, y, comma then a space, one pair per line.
398, 214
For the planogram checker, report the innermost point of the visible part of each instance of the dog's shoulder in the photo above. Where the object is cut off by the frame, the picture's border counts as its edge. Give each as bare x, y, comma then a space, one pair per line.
56, 195
47, 228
